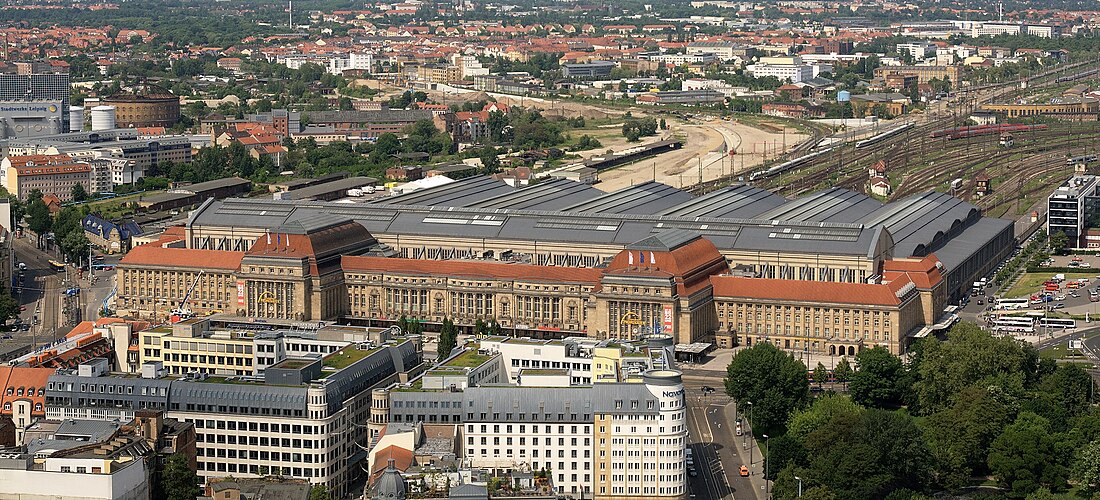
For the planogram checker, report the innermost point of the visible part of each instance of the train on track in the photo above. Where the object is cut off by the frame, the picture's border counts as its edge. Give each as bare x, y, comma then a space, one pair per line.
979, 130
1076, 76
871, 141
790, 164
1081, 159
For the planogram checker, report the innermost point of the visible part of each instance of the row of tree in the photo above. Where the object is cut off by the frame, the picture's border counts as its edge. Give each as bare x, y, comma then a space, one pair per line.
959, 411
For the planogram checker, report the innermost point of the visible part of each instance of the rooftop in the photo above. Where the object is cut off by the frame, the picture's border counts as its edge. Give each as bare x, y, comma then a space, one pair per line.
345, 357
468, 359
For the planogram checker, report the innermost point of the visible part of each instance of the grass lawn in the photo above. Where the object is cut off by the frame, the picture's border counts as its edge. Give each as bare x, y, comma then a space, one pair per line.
1030, 283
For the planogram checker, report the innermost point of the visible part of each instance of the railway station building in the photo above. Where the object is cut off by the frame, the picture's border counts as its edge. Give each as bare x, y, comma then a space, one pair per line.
833, 271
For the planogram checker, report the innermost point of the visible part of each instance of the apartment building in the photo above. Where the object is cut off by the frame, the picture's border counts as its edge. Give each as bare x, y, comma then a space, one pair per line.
620, 436
295, 421
57, 179
784, 68
924, 74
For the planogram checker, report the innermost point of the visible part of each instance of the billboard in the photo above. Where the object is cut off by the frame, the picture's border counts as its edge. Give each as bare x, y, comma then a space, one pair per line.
666, 320
240, 293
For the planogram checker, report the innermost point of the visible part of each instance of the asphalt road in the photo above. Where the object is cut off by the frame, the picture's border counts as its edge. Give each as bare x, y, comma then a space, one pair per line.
718, 452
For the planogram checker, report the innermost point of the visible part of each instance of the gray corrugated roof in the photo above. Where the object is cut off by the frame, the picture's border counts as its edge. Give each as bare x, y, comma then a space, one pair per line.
557, 401
647, 198
342, 184
835, 205
735, 201
530, 225
916, 220
240, 395
962, 247
456, 194
547, 195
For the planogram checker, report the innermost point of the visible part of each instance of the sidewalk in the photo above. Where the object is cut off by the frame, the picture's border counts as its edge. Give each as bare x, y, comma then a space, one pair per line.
747, 451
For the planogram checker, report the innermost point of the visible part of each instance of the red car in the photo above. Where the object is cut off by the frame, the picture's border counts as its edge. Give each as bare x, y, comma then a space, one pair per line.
22, 308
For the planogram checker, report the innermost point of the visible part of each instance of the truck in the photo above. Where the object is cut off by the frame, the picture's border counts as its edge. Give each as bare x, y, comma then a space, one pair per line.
1059, 277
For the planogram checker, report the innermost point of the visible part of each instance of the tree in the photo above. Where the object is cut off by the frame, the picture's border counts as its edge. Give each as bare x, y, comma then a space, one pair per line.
1058, 242
9, 307
970, 356
1026, 456
38, 217
784, 451
843, 371
879, 380
869, 454
821, 374
1086, 467
180, 482
79, 193
823, 409
318, 492
448, 339
959, 436
773, 381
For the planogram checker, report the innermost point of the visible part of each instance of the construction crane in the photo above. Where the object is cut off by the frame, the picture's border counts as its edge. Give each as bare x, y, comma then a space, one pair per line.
182, 311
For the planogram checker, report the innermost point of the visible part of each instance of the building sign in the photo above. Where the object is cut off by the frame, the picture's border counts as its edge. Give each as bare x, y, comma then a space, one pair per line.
268, 297
29, 107
240, 292
631, 318
666, 317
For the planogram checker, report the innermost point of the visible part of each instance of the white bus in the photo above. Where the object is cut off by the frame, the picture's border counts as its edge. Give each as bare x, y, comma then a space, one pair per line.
1058, 323
1011, 304
1014, 324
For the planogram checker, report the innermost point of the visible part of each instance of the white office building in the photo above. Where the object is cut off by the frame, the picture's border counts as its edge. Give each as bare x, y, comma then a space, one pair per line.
784, 68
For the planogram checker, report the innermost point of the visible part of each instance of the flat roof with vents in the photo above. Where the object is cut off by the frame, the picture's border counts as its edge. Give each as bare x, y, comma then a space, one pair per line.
647, 198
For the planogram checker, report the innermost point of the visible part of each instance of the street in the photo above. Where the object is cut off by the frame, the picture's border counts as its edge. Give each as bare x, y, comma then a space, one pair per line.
718, 451
48, 311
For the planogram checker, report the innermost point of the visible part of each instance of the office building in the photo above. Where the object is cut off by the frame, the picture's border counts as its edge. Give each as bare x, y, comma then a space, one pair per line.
1072, 208
297, 420
57, 179
590, 70
130, 154
787, 68
620, 436
36, 81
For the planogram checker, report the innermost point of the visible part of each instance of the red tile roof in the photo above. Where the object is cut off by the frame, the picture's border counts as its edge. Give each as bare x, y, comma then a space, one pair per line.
22, 161
471, 269
690, 265
32, 382
923, 272
402, 458
153, 255
807, 291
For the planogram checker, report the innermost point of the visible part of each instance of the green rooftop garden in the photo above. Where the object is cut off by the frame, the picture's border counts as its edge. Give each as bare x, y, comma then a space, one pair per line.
544, 371
469, 359
345, 357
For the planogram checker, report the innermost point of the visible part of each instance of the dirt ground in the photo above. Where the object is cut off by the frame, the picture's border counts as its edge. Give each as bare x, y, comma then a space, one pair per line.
710, 142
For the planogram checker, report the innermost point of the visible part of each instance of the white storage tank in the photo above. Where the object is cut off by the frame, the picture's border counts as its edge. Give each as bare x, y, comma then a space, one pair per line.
76, 118
103, 118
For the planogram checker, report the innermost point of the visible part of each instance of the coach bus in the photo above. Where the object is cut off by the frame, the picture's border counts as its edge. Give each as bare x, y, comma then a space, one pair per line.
1012, 304
1058, 323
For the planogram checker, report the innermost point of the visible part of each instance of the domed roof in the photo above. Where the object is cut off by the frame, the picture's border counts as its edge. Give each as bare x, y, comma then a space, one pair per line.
389, 486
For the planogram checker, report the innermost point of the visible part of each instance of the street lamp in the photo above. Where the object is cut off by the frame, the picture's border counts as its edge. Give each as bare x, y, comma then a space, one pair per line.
767, 485
799, 486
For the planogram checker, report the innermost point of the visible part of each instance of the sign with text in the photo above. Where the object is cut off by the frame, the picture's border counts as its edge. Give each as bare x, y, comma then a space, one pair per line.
666, 325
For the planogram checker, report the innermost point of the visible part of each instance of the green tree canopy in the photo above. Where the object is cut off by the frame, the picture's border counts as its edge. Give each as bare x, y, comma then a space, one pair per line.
773, 381
1027, 456
959, 436
970, 356
880, 380
869, 454
823, 409
180, 482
